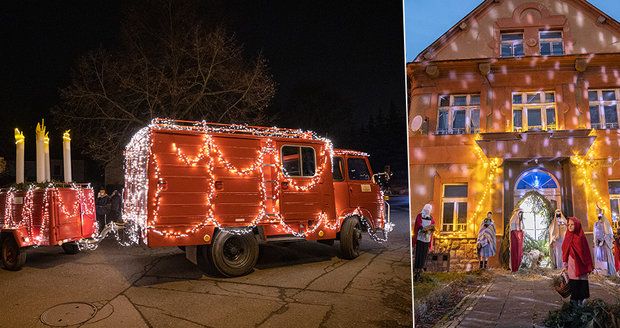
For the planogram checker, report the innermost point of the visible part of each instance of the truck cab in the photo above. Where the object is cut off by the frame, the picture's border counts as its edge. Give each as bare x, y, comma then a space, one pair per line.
355, 190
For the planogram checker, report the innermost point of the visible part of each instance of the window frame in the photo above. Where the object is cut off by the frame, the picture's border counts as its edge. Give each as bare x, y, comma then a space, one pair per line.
551, 41
454, 226
343, 168
366, 163
512, 44
301, 163
543, 106
614, 223
600, 103
451, 109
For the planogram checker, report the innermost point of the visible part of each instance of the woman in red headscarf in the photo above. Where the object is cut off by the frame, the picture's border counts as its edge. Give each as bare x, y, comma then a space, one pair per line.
577, 261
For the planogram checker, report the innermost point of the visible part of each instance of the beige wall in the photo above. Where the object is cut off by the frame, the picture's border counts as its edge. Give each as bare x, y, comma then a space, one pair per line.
480, 37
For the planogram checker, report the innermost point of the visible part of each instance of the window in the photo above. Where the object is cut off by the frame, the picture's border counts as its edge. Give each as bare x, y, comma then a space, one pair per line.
337, 168
536, 179
358, 169
604, 108
614, 201
454, 207
298, 161
511, 45
533, 111
458, 114
551, 43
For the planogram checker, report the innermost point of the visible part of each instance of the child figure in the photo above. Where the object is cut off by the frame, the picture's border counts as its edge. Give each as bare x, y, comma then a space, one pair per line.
486, 244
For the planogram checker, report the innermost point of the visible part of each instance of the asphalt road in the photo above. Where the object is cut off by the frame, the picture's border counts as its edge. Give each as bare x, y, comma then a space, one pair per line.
302, 284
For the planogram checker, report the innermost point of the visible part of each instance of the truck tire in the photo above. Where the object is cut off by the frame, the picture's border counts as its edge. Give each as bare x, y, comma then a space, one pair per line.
70, 248
350, 236
13, 257
233, 255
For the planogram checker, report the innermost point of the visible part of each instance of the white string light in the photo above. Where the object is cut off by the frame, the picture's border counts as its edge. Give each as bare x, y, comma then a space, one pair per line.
138, 156
81, 206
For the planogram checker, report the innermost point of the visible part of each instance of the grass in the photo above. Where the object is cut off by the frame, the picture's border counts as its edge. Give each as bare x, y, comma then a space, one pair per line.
432, 281
439, 292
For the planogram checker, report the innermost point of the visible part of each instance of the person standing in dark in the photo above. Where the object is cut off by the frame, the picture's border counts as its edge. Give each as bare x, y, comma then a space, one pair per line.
115, 206
102, 207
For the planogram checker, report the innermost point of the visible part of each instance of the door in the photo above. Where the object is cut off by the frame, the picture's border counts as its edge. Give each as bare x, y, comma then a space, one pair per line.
363, 192
300, 207
341, 187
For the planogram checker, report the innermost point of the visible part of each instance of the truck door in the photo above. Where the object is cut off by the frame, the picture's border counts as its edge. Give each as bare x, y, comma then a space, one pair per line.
363, 192
341, 187
299, 165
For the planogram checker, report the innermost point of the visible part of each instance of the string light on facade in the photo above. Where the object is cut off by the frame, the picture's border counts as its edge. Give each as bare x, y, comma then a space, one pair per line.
492, 165
584, 165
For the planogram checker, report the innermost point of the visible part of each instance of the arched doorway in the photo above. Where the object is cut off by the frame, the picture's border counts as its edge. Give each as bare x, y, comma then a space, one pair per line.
537, 193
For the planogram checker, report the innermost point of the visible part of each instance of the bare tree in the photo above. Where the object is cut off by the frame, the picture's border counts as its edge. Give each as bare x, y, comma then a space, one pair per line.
168, 65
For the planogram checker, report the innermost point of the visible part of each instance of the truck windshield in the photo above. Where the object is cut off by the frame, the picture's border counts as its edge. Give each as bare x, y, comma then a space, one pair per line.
358, 169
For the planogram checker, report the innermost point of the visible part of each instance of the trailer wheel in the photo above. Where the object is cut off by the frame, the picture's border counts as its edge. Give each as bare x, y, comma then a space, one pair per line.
70, 248
13, 257
233, 255
350, 236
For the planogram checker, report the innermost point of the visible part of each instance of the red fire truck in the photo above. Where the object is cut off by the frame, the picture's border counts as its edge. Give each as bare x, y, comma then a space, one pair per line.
218, 190
36, 216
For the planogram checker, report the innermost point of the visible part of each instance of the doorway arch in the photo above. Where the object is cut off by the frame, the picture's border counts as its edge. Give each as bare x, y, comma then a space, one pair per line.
537, 192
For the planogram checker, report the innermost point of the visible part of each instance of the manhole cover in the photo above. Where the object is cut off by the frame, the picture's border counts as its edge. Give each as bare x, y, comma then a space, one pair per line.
68, 314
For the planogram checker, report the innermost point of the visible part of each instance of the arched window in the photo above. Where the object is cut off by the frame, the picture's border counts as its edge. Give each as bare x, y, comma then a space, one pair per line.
536, 179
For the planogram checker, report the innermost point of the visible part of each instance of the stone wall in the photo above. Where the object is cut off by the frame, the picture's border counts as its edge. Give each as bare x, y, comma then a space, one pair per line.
463, 256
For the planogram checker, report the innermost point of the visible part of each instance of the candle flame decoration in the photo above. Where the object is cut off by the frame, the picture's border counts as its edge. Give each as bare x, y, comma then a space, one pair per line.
66, 136
19, 136
41, 129
46, 138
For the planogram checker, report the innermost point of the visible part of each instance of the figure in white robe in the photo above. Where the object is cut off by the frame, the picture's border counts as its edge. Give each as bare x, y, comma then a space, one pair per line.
604, 262
557, 230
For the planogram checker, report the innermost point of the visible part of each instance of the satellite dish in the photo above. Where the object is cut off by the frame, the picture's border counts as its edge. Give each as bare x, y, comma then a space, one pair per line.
416, 123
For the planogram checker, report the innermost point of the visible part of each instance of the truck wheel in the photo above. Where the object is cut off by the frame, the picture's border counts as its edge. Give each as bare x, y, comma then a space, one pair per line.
350, 236
70, 248
13, 257
233, 255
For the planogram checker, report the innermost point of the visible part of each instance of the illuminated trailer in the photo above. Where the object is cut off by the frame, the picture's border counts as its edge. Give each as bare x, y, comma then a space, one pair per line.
48, 216
218, 190
44, 213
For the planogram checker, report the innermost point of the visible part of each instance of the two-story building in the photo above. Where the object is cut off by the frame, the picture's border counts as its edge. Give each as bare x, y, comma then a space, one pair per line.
516, 105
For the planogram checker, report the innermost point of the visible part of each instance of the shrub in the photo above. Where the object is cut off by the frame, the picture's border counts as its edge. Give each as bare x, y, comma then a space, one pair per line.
595, 314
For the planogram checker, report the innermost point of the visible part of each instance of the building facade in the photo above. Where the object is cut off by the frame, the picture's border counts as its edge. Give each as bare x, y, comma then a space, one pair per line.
517, 105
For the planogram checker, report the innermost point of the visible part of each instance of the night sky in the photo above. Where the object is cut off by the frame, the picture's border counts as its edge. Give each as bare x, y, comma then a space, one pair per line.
354, 49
